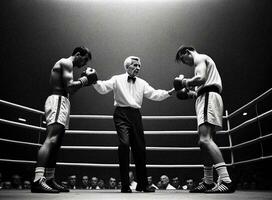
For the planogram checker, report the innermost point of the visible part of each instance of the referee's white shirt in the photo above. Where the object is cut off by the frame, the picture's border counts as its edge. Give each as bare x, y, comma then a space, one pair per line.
129, 94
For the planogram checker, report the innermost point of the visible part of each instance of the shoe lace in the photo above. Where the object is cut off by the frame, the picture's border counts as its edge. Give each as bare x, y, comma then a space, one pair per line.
201, 186
218, 183
43, 183
219, 186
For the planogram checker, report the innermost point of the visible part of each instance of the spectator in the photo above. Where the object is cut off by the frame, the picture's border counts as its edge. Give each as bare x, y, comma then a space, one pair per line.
176, 183
150, 183
85, 183
72, 182
132, 183
7, 185
101, 184
159, 184
112, 183
16, 182
189, 184
119, 186
165, 183
26, 185
94, 182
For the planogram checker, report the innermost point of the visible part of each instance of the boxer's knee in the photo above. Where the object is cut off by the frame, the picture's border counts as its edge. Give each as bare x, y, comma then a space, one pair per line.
51, 142
204, 142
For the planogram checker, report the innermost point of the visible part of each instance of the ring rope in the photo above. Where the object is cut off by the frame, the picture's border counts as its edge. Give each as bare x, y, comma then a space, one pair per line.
143, 117
19, 142
150, 132
22, 125
146, 132
243, 144
132, 165
250, 121
21, 107
18, 124
103, 165
254, 101
111, 147
252, 160
97, 116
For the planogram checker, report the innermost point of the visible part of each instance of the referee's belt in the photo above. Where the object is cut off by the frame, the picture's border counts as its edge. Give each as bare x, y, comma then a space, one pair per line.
206, 89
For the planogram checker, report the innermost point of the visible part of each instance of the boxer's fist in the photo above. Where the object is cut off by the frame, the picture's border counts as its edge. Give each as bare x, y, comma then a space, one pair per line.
184, 94
90, 75
179, 82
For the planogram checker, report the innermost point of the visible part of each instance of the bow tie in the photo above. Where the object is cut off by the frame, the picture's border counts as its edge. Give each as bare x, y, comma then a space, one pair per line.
133, 79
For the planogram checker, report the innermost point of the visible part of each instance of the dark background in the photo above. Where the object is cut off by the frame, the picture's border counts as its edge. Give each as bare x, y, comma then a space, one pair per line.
35, 34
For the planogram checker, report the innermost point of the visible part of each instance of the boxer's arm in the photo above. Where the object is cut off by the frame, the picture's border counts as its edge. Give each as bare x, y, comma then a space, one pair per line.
200, 76
71, 85
156, 95
104, 87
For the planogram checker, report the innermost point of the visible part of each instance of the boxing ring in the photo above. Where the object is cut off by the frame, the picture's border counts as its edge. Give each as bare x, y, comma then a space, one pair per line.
230, 131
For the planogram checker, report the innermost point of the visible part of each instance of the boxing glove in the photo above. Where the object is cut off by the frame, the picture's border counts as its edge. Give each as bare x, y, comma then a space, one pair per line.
179, 82
185, 94
88, 77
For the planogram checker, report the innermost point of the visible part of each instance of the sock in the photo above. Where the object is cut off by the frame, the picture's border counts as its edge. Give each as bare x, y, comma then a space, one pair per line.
208, 175
39, 173
222, 172
50, 173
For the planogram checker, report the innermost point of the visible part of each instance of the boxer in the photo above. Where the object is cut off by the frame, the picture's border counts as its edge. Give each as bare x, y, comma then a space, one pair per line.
207, 90
57, 110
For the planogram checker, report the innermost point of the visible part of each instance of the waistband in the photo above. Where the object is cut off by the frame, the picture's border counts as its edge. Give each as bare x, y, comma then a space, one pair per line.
126, 108
206, 89
61, 93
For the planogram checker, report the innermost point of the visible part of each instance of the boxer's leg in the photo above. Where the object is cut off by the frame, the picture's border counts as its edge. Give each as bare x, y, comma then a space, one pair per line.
209, 152
207, 145
213, 153
44, 155
55, 137
47, 152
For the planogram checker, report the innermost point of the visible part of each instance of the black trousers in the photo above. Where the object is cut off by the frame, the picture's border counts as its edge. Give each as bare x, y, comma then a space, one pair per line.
129, 127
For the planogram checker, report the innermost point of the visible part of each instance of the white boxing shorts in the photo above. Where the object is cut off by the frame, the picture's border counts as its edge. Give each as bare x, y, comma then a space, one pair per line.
209, 108
57, 110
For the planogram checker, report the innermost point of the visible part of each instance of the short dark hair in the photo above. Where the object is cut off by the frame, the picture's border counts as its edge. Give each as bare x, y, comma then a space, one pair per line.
181, 51
82, 51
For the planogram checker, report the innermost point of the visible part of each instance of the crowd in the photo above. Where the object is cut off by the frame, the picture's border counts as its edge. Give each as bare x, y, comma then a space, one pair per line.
94, 183
14, 182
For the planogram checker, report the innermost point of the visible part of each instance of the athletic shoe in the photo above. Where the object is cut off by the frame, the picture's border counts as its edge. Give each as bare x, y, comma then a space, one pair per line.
53, 184
222, 187
202, 187
40, 186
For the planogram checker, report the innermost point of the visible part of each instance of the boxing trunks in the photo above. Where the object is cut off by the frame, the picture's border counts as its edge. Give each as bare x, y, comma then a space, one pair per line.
57, 110
209, 106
